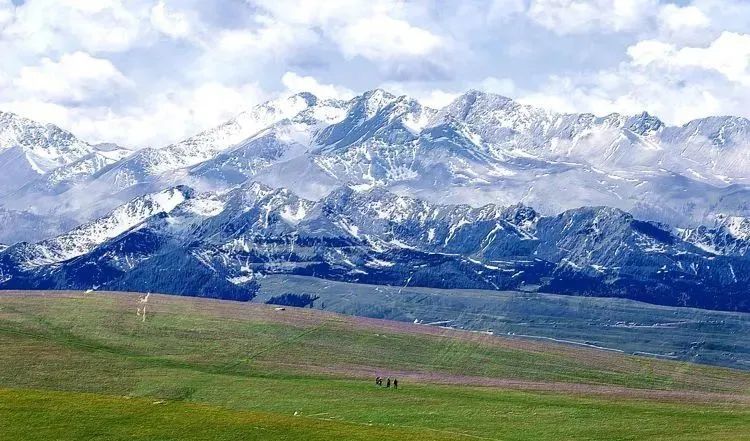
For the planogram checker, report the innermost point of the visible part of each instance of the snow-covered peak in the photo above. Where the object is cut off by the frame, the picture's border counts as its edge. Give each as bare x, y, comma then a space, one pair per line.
203, 205
730, 235
466, 105
84, 238
255, 195
263, 115
376, 116
644, 124
737, 226
371, 102
718, 131
241, 127
45, 146
151, 162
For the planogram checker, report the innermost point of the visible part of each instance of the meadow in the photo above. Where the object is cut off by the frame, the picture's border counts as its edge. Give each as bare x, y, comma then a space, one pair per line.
86, 366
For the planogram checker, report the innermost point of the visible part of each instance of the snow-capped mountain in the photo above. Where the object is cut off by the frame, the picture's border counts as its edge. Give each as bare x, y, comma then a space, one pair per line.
84, 238
381, 189
29, 149
480, 149
151, 163
39, 161
45, 146
285, 140
729, 236
228, 240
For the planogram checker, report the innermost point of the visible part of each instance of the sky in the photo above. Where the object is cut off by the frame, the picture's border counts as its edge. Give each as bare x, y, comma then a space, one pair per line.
150, 72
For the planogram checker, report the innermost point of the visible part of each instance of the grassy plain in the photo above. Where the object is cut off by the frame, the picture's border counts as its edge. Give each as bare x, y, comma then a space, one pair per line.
85, 366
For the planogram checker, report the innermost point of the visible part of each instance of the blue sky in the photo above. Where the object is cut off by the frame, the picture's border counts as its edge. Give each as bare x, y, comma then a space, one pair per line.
148, 72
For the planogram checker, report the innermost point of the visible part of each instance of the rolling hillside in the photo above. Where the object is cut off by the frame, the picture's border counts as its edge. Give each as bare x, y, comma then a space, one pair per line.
87, 366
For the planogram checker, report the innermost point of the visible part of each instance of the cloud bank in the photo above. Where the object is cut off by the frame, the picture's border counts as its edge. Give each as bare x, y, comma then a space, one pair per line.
149, 72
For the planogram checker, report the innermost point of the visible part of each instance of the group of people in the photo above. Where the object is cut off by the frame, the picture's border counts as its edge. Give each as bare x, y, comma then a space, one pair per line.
379, 382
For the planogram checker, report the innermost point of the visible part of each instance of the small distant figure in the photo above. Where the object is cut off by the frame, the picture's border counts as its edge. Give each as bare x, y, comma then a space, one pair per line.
395, 383
388, 383
378, 381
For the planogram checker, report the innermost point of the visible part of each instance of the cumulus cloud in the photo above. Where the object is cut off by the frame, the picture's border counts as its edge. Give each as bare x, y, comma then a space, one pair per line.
676, 83
581, 16
295, 83
90, 25
7, 12
728, 55
381, 31
676, 18
165, 117
175, 24
437, 98
269, 38
74, 78
148, 72
177, 113
382, 38
424, 93
500, 86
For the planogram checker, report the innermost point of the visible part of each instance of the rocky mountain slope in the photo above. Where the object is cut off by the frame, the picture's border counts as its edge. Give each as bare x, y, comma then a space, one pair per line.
483, 193
221, 244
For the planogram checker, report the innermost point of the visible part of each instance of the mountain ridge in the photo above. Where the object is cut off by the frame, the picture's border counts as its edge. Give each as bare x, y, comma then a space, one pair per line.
381, 189
230, 240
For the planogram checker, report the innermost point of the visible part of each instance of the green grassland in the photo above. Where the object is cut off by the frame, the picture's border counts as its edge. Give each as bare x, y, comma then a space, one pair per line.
688, 334
85, 366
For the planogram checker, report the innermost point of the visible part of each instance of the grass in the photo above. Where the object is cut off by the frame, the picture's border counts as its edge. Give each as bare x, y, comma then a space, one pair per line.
688, 334
85, 367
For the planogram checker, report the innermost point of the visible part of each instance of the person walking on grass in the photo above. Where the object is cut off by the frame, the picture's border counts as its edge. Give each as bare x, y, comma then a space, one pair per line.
388, 383
395, 383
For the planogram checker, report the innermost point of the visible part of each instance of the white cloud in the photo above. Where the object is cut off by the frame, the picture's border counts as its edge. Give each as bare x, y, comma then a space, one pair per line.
270, 38
500, 86
172, 23
328, 14
383, 38
145, 66
501, 9
379, 30
648, 51
75, 78
676, 83
164, 118
676, 18
297, 83
90, 25
168, 116
430, 97
582, 16
728, 55
437, 98
7, 12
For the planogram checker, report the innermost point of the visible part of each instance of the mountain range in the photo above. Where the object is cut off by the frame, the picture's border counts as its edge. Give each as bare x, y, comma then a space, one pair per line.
483, 193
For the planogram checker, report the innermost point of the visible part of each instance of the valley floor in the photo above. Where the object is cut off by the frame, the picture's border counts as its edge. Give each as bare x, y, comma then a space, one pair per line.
86, 366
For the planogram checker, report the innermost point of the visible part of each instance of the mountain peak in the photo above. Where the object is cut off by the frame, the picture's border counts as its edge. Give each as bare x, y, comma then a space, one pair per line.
307, 97
645, 123
39, 148
378, 94
372, 101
